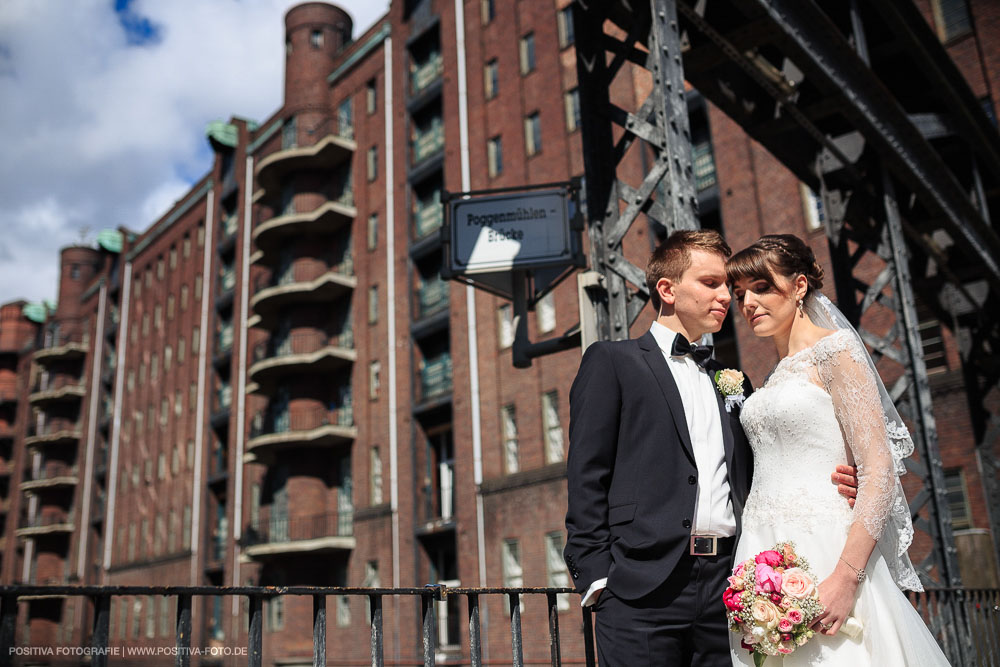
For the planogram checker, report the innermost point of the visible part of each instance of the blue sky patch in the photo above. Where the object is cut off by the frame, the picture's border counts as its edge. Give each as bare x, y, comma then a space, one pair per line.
139, 30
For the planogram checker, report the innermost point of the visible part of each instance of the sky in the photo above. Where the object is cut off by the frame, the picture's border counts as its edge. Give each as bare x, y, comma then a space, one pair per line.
103, 108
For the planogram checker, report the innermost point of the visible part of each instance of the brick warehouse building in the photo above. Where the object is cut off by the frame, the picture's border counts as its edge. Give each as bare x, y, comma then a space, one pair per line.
271, 385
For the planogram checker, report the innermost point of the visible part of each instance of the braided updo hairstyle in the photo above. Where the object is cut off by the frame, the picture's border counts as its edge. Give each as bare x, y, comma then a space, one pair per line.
776, 254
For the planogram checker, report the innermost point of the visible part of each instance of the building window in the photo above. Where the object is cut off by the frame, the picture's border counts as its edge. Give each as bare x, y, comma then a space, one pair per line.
289, 134
571, 101
528, 53
494, 155
197, 286
565, 17
491, 79
165, 616
186, 528
372, 163
958, 499
201, 235
703, 164
513, 575
181, 349
170, 307
136, 616
160, 270
508, 419
532, 134
545, 311
168, 358
161, 473
186, 246
195, 340
345, 119
951, 17
505, 325
158, 317
316, 39
373, 231
812, 208
488, 9
555, 567
376, 477
371, 96
374, 379
373, 304
276, 613
553, 428
932, 340
343, 611
173, 257
184, 297
131, 542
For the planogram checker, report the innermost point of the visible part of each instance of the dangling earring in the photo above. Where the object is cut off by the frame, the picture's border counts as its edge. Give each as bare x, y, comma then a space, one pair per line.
801, 312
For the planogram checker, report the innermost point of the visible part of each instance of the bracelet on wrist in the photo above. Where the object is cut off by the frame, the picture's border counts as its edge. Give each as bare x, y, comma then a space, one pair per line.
861, 574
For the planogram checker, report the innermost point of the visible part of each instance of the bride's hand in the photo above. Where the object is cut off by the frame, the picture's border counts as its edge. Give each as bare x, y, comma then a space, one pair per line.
836, 593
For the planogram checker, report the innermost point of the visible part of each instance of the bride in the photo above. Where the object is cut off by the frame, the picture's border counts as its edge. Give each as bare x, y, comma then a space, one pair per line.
824, 405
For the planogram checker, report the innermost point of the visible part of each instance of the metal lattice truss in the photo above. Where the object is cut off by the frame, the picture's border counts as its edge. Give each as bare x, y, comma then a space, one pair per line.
838, 92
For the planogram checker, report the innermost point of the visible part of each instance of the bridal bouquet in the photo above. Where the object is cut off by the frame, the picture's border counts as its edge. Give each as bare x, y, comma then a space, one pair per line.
772, 600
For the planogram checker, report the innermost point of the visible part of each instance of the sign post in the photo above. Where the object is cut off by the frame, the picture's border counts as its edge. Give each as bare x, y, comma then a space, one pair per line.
517, 243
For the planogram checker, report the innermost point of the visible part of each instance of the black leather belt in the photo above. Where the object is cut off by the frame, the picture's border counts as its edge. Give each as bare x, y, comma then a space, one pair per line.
710, 545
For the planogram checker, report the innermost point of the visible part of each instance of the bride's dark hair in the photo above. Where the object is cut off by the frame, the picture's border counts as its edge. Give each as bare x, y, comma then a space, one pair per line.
775, 254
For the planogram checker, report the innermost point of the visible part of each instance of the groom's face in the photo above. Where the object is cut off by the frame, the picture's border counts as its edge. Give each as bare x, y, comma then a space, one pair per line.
700, 298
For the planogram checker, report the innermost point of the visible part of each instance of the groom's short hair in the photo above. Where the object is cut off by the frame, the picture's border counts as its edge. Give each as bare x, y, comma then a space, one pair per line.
673, 257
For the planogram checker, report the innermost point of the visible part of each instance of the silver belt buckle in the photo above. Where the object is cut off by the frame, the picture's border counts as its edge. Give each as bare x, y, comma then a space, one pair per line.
704, 545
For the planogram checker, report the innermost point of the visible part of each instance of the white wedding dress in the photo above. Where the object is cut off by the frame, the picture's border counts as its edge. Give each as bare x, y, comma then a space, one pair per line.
820, 408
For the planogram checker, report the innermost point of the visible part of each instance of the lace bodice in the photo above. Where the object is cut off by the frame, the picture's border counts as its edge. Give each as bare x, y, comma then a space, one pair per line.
820, 408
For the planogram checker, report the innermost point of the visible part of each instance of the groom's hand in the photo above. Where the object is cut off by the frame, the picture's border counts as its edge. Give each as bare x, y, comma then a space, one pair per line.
846, 479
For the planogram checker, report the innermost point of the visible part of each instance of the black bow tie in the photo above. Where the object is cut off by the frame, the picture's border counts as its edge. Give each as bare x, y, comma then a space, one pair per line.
702, 354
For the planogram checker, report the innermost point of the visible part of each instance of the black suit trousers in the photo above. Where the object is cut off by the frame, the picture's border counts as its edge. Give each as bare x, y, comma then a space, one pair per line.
682, 622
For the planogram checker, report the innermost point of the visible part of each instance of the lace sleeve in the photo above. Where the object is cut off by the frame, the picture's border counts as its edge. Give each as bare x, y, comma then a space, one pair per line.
847, 377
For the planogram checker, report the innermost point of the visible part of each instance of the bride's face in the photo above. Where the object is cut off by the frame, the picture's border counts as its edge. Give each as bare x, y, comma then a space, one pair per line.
768, 309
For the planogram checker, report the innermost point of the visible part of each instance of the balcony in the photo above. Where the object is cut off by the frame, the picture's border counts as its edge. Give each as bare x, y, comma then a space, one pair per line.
427, 142
62, 348
437, 500
269, 433
427, 220
62, 390
279, 535
52, 476
273, 294
272, 234
303, 352
46, 524
424, 74
330, 150
221, 406
58, 432
431, 296
435, 378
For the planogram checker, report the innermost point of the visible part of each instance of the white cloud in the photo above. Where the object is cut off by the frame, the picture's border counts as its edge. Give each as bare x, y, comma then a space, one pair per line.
98, 132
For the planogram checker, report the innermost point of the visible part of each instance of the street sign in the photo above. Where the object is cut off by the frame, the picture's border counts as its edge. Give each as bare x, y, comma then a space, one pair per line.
490, 236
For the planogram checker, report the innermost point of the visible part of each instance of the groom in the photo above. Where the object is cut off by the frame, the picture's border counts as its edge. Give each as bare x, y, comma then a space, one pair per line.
658, 471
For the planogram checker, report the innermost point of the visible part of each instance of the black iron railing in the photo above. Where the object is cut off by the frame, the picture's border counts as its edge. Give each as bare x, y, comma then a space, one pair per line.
101, 596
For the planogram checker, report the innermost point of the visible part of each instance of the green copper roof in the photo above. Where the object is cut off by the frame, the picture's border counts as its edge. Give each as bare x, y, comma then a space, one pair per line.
35, 312
110, 239
361, 53
223, 133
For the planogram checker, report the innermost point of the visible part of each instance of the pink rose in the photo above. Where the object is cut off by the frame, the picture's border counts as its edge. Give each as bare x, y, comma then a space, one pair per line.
794, 615
785, 625
775, 598
732, 601
768, 581
796, 583
785, 650
769, 557
741, 568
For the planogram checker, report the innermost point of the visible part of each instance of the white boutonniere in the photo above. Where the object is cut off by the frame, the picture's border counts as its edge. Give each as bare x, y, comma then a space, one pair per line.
730, 384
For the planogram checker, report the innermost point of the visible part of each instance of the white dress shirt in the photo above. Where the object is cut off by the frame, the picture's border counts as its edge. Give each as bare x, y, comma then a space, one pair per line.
713, 514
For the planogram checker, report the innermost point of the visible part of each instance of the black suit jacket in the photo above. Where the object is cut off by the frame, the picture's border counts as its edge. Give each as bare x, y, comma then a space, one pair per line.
631, 468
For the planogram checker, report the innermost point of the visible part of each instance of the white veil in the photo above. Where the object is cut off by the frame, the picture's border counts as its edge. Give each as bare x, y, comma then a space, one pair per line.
898, 532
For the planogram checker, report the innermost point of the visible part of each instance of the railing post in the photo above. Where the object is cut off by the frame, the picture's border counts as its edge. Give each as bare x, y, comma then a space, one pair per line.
475, 641
319, 631
256, 628
183, 658
517, 651
429, 625
102, 622
376, 622
8, 624
553, 607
